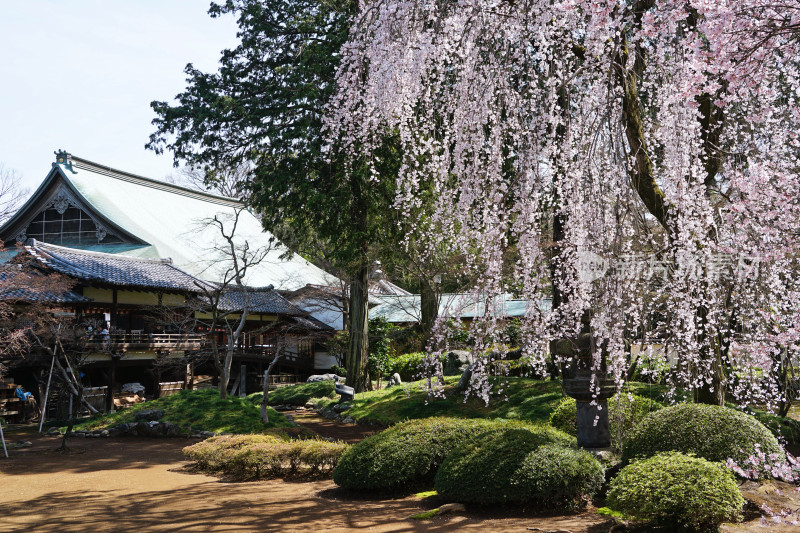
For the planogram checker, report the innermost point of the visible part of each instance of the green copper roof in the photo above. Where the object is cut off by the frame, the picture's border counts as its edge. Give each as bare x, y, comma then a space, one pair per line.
173, 222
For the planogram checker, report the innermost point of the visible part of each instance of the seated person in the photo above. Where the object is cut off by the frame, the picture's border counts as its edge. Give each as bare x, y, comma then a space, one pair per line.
30, 409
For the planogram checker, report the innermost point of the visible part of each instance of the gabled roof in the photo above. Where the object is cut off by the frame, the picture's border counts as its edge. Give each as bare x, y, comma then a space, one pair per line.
262, 300
13, 289
161, 220
310, 324
113, 269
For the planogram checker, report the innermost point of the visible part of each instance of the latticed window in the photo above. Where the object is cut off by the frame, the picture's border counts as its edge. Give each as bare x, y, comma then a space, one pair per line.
70, 227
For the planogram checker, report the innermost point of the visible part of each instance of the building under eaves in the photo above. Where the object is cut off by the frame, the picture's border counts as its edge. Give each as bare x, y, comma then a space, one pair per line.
133, 244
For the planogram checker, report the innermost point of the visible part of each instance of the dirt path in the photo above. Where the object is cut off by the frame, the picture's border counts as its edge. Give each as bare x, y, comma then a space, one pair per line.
142, 485
328, 428
133, 484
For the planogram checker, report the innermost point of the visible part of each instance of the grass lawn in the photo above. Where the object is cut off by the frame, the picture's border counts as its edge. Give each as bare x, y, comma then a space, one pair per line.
202, 410
297, 394
521, 399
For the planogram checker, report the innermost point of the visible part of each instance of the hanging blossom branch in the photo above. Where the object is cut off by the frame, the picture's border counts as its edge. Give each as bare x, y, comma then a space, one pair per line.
658, 128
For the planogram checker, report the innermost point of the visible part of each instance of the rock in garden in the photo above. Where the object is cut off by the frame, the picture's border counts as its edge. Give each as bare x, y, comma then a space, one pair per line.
339, 407
349, 420
394, 380
143, 429
133, 388
149, 415
328, 413
170, 430
53, 432
466, 377
452, 508
323, 377
457, 361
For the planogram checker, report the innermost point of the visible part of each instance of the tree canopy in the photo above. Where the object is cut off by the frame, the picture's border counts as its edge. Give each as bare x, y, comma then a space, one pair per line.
648, 148
263, 109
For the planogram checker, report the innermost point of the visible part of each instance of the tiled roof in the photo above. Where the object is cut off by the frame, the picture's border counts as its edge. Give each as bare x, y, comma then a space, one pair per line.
311, 324
15, 287
262, 300
113, 269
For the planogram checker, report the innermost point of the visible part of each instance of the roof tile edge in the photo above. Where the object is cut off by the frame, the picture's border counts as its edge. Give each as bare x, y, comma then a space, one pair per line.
85, 164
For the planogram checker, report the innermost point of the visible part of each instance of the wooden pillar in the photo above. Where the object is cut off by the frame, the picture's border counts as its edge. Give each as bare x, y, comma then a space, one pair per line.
242, 381
113, 310
188, 378
158, 379
112, 370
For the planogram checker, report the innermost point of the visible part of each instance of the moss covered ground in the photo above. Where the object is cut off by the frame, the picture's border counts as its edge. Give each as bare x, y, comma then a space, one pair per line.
200, 410
517, 399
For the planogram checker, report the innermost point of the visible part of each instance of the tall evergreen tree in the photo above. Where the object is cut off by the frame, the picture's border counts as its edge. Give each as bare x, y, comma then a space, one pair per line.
263, 110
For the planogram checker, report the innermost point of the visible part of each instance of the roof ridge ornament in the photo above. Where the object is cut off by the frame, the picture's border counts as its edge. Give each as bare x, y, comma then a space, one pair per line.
64, 158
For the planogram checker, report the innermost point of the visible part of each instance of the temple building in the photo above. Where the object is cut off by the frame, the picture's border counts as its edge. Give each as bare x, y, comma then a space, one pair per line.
151, 264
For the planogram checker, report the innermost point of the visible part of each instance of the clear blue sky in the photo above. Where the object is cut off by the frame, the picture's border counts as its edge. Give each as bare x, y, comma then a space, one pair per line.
80, 75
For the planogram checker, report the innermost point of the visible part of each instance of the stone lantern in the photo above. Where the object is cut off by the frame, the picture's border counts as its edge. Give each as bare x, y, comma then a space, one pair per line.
587, 386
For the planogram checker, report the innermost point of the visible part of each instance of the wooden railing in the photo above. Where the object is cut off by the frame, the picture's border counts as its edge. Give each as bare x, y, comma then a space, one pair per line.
285, 379
10, 405
168, 388
155, 341
267, 353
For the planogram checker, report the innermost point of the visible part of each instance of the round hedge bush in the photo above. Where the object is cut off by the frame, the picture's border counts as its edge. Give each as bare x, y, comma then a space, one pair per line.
408, 454
708, 431
678, 491
625, 411
403, 455
520, 465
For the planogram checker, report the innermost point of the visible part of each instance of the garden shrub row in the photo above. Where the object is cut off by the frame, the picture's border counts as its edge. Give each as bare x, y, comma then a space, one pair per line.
514, 465
479, 461
265, 456
625, 411
405, 454
676, 474
407, 365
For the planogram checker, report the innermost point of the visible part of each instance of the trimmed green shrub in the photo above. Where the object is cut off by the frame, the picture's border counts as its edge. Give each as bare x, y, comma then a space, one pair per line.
625, 411
213, 453
406, 365
678, 491
259, 456
338, 370
408, 454
711, 432
564, 417
520, 465
522, 367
